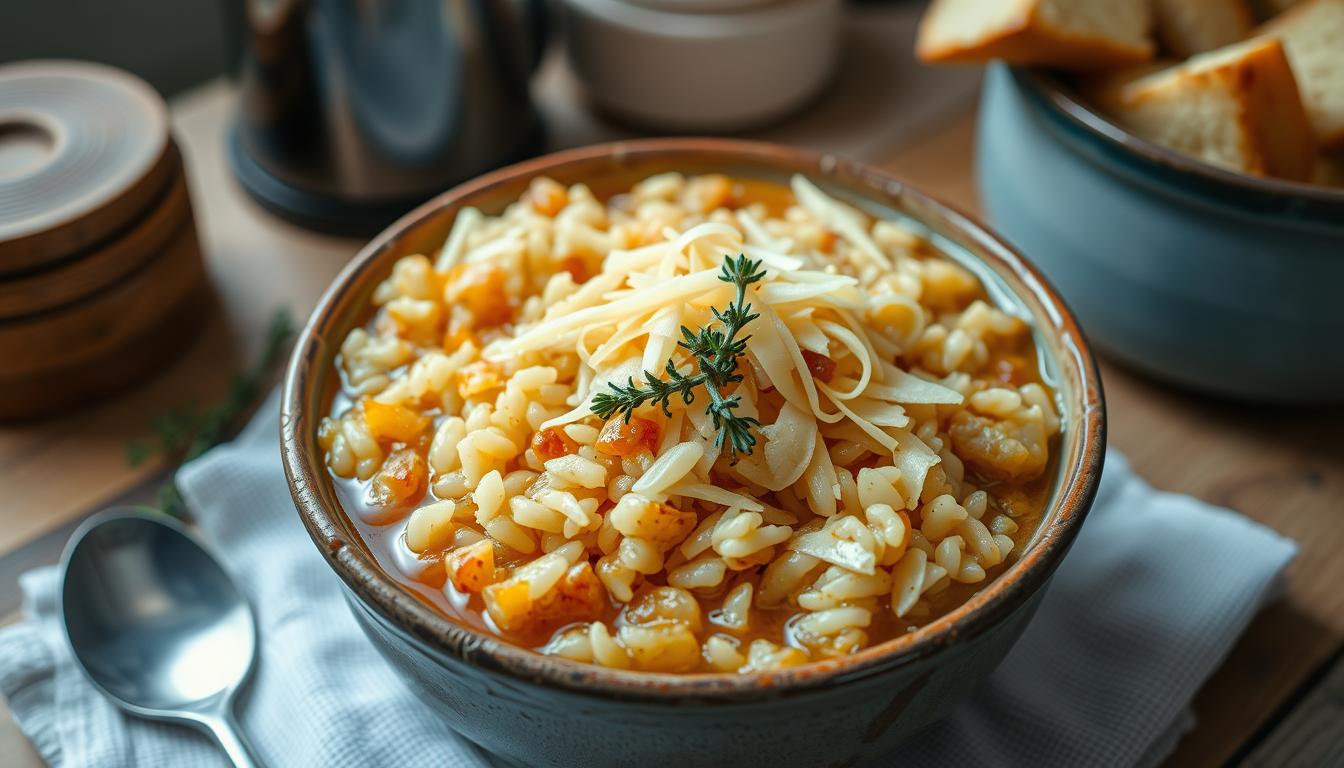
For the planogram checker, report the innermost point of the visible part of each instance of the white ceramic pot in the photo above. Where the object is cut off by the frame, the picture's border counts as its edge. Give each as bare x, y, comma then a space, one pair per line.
702, 65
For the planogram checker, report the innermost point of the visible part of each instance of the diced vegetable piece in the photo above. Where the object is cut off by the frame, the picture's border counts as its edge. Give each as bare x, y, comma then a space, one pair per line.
551, 443
622, 438
480, 287
401, 481
392, 423
577, 268
577, 596
455, 337
472, 568
508, 604
821, 366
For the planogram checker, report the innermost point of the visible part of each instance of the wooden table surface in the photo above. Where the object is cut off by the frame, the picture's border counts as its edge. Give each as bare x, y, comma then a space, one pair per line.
1277, 699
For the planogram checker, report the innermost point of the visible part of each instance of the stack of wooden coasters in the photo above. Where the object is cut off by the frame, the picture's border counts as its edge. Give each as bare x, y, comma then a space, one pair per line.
101, 278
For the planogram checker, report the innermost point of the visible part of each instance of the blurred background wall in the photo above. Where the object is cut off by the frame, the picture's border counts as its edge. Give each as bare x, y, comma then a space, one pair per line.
173, 44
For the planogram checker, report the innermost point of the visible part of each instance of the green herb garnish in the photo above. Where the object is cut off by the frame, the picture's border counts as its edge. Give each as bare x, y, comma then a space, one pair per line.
186, 433
715, 353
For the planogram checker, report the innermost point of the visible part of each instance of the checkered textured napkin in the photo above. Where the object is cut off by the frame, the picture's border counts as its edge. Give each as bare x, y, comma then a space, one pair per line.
1148, 602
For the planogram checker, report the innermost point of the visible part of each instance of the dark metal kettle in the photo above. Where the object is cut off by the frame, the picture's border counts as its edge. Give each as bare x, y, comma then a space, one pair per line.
353, 111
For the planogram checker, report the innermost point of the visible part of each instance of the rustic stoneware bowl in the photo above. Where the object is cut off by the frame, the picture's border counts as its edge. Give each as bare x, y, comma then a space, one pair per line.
1210, 279
534, 710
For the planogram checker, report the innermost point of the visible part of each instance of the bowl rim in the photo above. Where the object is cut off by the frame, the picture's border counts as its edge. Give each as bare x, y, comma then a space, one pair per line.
306, 471
1257, 192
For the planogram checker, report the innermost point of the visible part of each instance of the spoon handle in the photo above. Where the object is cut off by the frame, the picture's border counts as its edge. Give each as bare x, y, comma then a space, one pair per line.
230, 736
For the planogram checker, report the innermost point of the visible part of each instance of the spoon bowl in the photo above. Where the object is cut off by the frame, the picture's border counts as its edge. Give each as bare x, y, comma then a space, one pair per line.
157, 624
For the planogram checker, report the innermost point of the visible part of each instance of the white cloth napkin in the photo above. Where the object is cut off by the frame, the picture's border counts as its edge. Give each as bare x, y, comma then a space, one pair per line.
1148, 602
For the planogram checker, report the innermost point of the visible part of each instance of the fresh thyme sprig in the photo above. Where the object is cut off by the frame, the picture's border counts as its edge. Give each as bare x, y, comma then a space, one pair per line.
715, 352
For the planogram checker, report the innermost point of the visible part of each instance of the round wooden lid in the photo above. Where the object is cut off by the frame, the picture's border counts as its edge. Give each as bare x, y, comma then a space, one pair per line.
102, 266
83, 152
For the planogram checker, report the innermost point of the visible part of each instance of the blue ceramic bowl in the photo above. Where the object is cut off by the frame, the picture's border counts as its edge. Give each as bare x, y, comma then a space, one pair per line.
536, 710
1213, 280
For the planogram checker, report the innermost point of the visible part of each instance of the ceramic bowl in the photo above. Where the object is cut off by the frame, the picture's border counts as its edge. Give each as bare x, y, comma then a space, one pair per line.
702, 65
536, 710
1213, 280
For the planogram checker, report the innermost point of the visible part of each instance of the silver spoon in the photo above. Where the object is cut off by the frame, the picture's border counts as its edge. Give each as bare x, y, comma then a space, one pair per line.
157, 625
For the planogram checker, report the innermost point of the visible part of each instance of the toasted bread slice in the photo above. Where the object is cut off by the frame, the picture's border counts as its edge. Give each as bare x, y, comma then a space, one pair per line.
1313, 35
1187, 27
1070, 34
1237, 107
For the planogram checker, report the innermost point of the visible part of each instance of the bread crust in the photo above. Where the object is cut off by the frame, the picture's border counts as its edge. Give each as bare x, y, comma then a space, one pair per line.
1313, 36
1027, 38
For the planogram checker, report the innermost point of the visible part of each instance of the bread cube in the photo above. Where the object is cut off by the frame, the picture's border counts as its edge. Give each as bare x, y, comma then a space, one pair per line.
1069, 34
1237, 107
1313, 35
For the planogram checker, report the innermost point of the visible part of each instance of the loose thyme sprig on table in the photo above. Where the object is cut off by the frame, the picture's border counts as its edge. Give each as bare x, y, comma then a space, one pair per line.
715, 353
